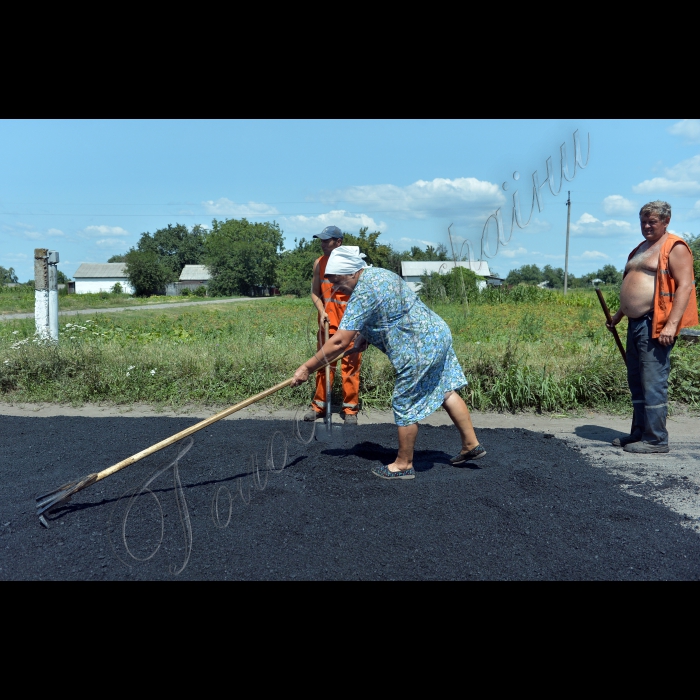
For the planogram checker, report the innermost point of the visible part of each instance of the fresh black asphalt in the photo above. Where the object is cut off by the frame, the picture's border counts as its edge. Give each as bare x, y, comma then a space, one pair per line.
532, 509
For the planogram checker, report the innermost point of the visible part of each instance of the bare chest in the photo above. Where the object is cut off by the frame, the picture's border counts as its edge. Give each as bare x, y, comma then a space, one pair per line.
645, 260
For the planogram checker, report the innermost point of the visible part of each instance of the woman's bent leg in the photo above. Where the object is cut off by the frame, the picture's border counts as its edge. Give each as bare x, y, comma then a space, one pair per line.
407, 441
459, 413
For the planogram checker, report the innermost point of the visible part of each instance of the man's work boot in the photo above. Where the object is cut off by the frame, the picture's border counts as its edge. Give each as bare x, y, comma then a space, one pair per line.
628, 439
310, 416
645, 448
350, 418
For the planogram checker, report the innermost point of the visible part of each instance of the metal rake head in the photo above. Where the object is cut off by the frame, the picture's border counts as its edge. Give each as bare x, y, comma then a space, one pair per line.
61, 495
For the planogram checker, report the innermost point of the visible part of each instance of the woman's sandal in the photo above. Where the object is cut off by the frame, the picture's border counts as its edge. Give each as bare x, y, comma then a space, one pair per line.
383, 472
477, 453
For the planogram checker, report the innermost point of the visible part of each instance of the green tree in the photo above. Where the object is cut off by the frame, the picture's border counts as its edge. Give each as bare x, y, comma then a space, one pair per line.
439, 252
527, 274
61, 277
147, 272
8, 276
693, 242
555, 276
176, 246
241, 254
458, 285
117, 258
295, 268
609, 274
378, 254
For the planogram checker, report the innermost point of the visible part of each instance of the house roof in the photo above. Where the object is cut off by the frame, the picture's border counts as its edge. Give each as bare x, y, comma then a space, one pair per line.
416, 268
96, 270
194, 273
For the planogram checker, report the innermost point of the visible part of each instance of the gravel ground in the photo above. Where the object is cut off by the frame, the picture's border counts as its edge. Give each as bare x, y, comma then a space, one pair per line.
536, 507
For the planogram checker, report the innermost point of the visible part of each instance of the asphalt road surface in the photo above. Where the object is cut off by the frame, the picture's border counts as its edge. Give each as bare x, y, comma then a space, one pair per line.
537, 507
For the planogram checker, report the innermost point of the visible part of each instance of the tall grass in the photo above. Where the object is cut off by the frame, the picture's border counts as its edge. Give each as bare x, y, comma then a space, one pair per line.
516, 356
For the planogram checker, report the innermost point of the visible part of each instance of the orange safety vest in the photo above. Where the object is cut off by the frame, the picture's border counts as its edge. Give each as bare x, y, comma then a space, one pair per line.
334, 303
665, 290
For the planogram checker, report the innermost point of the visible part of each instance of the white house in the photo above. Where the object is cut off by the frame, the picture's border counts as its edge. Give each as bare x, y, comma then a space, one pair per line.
193, 276
411, 270
101, 277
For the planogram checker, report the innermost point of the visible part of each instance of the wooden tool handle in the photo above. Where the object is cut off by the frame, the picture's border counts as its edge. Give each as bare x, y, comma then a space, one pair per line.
193, 429
606, 311
198, 426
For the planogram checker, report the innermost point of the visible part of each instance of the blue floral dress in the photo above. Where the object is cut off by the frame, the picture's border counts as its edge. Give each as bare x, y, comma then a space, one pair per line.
416, 340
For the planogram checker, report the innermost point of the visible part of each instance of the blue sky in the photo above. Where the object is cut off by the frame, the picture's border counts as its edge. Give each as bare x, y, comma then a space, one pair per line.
90, 188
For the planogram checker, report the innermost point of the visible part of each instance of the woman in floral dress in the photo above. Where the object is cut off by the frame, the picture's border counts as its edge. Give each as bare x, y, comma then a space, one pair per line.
383, 311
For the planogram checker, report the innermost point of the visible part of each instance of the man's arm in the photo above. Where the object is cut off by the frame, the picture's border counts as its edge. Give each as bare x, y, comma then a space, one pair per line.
680, 267
316, 294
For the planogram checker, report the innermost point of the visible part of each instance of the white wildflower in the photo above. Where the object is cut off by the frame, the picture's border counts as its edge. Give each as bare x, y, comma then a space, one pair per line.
132, 367
128, 373
68, 325
153, 372
72, 337
7, 362
15, 332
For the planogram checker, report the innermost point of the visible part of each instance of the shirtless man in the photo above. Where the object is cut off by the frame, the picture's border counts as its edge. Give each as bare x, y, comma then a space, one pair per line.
658, 298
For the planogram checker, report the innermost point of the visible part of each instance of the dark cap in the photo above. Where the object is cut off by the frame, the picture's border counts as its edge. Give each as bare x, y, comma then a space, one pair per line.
329, 232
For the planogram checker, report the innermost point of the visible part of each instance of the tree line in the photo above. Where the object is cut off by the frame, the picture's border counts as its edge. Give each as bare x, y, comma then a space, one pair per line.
554, 276
241, 255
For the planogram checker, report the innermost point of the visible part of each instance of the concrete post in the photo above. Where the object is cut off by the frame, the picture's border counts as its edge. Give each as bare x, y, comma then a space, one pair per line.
53, 295
41, 292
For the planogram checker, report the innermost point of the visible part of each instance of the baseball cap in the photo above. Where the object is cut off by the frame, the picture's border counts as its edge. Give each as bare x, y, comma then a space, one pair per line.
329, 232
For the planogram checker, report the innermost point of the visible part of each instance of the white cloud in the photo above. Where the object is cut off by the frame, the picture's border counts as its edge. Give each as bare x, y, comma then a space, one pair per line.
344, 220
681, 179
226, 207
588, 225
617, 204
55, 232
592, 255
14, 256
464, 196
666, 185
110, 243
105, 231
688, 129
506, 253
413, 241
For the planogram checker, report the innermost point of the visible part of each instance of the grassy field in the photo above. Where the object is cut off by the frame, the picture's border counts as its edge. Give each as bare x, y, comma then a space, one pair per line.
543, 355
17, 300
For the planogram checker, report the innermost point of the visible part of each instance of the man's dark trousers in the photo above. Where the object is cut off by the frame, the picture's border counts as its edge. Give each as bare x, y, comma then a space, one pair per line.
648, 365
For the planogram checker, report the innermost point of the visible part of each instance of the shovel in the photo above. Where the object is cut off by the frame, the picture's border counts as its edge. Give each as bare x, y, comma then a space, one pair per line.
328, 432
608, 317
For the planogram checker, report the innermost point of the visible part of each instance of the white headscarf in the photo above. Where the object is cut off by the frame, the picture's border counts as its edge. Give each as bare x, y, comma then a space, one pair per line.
345, 260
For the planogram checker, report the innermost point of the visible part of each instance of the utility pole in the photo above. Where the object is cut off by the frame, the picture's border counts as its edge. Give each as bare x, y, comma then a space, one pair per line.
46, 293
566, 256
41, 292
53, 295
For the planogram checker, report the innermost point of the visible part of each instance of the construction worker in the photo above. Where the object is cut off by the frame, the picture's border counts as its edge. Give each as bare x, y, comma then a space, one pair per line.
331, 307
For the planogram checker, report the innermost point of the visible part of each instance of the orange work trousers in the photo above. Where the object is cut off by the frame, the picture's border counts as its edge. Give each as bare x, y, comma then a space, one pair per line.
350, 369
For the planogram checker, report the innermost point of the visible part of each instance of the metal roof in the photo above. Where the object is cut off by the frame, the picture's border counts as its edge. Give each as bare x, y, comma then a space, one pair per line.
416, 268
93, 270
194, 273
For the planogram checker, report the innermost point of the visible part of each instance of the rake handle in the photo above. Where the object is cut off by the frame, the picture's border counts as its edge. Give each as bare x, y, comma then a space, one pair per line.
606, 311
198, 426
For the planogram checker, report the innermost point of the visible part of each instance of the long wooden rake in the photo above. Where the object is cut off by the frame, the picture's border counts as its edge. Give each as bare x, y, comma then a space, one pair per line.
64, 493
